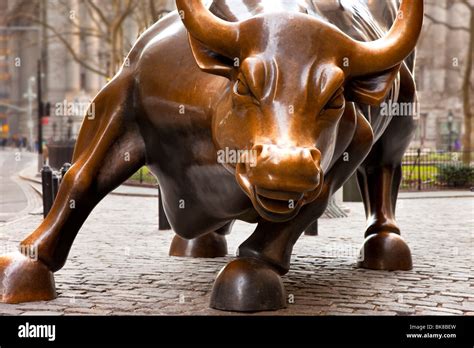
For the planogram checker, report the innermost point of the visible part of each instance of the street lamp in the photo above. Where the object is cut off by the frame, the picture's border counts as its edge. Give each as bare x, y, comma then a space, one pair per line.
450, 130
30, 124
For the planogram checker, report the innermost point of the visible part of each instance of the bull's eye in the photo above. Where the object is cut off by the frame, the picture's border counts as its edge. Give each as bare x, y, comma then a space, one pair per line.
337, 101
241, 88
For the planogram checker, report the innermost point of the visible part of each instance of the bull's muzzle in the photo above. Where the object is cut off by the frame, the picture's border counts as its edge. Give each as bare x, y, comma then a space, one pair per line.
281, 180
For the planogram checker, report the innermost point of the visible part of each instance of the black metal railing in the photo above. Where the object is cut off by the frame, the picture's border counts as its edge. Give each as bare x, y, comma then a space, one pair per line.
437, 170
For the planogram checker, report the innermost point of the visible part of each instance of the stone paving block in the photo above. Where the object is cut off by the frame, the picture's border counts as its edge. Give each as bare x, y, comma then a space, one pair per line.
42, 313
340, 309
458, 294
87, 311
358, 305
421, 303
41, 306
444, 299
400, 309
445, 311
8, 310
468, 306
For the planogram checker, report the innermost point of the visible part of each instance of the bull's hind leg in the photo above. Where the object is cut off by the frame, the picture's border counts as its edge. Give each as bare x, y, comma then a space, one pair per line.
383, 247
212, 244
379, 179
108, 151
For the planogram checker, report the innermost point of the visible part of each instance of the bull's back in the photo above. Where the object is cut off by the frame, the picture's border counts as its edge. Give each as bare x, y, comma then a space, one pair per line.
363, 20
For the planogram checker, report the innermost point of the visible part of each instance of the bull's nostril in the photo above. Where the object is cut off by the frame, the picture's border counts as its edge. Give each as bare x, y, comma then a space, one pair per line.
258, 149
318, 178
316, 155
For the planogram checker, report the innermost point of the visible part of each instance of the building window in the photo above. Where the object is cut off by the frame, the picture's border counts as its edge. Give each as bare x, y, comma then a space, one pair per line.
83, 81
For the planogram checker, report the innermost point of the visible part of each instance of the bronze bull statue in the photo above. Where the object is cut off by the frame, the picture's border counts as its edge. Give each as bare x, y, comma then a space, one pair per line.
253, 110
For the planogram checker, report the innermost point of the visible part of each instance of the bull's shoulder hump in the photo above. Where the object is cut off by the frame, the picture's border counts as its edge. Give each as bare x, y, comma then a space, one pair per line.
239, 10
166, 29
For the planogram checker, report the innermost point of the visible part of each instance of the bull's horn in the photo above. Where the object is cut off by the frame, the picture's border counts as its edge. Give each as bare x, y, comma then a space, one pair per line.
393, 48
219, 35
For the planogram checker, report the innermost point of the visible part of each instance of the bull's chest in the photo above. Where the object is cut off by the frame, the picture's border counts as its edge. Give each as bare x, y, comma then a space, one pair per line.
378, 120
195, 186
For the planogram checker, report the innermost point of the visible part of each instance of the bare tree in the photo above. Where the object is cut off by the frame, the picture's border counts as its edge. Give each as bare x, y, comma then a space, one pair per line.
149, 12
104, 21
467, 141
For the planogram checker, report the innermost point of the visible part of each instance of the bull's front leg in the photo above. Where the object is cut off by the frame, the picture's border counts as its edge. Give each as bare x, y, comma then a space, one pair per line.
252, 282
108, 151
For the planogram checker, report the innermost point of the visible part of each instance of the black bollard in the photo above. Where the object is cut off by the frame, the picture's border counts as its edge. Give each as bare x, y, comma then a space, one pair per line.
64, 169
47, 186
55, 181
312, 230
163, 223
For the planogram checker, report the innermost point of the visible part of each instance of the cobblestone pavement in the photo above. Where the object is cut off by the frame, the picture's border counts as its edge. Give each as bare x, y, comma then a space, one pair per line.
119, 265
15, 199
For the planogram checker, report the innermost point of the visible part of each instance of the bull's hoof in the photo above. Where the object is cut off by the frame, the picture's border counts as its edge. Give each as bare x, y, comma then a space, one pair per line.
385, 251
24, 280
248, 285
206, 246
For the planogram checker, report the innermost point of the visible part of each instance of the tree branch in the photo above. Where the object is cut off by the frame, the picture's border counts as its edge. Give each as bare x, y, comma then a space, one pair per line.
98, 11
128, 10
447, 25
153, 11
465, 2
97, 22
68, 46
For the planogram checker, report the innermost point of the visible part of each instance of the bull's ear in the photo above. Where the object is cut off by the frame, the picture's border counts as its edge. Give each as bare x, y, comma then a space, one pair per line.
209, 61
371, 90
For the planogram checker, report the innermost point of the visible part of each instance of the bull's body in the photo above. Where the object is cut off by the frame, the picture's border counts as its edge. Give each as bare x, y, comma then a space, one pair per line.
180, 148
164, 111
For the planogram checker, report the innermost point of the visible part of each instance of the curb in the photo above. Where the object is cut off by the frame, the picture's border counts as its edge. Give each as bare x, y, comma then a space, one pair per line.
437, 197
37, 190
38, 182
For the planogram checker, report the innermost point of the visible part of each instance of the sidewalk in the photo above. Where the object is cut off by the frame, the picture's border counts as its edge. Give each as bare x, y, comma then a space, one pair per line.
119, 265
436, 194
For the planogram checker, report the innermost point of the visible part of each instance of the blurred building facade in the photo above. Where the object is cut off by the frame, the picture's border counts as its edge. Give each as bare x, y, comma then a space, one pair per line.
17, 74
29, 33
440, 67
4, 76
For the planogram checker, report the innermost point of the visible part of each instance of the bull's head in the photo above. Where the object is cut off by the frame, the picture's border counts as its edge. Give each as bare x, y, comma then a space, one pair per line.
286, 97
